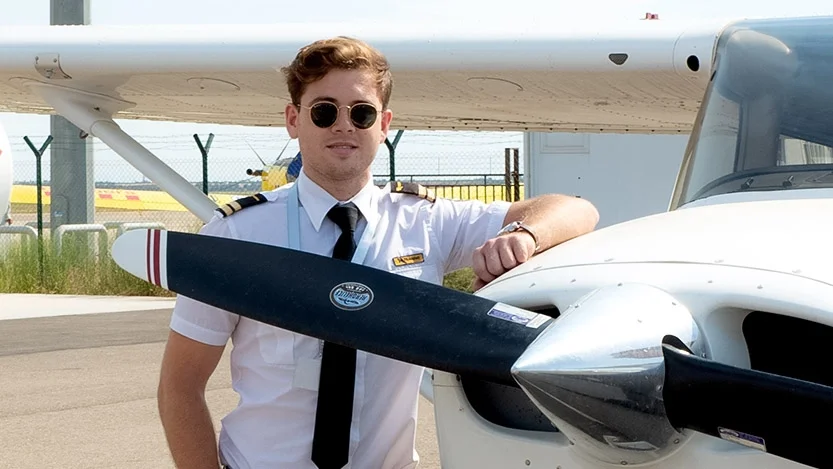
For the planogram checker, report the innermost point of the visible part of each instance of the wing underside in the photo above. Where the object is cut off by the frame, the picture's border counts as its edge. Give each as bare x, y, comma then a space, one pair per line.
637, 79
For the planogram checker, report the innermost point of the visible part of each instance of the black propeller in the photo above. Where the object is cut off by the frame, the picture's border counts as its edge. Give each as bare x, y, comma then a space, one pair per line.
444, 329
386, 314
772, 413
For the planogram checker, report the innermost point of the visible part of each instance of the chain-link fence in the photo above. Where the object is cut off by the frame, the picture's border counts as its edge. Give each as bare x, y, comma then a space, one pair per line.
453, 165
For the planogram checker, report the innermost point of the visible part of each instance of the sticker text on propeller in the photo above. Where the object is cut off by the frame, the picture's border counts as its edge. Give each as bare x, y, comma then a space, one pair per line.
351, 296
741, 438
517, 315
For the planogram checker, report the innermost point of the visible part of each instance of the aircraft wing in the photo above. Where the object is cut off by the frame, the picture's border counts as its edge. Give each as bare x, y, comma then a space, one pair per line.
639, 76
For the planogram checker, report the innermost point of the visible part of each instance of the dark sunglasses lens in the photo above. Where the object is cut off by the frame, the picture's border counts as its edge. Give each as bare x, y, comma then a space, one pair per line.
363, 115
324, 114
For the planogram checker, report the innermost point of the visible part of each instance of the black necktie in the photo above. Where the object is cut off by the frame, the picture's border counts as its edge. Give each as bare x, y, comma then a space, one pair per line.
331, 440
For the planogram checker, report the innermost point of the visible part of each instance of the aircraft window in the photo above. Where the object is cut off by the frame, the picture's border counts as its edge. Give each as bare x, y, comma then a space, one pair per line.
795, 151
797, 164
765, 121
717, 145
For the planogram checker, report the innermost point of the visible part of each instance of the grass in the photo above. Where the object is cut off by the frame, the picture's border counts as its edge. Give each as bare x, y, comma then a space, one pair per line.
460, 280
75, 271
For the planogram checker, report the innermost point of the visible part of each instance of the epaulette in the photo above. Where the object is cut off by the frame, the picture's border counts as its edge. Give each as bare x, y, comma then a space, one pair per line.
413, 188
239, 204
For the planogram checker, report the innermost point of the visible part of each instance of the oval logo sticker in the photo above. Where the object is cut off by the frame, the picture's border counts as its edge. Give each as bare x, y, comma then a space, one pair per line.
351, 296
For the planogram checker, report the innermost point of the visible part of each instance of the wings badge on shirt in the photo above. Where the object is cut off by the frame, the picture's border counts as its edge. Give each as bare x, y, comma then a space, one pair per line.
410, 259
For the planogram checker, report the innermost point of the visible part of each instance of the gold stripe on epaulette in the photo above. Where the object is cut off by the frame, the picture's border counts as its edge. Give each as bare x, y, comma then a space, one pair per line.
426, 193
237, 205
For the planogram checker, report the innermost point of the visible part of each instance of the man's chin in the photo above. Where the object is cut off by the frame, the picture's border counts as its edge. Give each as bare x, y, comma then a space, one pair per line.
336, 173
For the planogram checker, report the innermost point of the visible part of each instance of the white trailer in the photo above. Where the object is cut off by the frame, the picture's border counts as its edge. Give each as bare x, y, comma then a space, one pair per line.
626, 176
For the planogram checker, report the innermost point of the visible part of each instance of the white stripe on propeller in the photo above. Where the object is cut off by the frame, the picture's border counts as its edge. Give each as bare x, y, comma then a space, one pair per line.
143, 253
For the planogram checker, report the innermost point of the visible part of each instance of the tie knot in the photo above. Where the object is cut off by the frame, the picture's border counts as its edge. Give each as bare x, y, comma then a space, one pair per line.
345, 216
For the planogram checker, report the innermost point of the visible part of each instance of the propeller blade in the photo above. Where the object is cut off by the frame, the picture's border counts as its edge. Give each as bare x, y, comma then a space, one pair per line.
337, 301
760, 410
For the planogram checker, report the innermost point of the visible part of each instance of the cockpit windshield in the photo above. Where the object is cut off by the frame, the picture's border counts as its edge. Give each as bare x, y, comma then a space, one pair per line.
767, 119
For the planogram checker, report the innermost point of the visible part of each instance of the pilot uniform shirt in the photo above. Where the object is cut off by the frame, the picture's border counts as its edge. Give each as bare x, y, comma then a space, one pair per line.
272, 425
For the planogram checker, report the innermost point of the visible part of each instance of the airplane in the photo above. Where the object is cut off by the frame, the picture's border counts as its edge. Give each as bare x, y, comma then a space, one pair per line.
283, 171
735, 274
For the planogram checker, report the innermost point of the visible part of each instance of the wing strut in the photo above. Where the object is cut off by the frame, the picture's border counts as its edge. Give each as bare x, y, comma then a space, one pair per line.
93, 114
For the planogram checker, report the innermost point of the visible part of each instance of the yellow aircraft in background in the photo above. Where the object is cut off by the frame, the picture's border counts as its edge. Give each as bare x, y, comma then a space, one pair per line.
282, 171
279, 173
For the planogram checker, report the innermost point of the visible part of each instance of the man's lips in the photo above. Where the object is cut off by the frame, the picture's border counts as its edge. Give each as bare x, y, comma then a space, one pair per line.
343, 145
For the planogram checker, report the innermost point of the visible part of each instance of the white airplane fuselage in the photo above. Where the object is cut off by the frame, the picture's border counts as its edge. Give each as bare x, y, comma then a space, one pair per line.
735, 251
724, 259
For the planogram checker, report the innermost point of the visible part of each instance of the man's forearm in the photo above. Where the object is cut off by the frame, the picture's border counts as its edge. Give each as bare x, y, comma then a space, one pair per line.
555, 218
189, 430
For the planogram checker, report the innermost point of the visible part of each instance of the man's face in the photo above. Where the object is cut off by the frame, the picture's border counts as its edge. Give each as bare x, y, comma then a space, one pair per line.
342, 151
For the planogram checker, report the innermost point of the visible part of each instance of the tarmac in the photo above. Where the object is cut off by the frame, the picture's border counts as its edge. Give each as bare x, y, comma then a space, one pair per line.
79, 378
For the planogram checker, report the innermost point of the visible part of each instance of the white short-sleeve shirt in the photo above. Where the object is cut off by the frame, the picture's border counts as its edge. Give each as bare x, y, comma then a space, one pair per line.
272, 426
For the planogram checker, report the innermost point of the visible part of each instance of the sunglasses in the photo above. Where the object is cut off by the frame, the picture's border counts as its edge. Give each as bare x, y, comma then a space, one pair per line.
324, 114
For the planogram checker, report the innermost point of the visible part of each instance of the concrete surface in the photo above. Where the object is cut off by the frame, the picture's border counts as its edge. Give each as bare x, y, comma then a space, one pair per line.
79, 390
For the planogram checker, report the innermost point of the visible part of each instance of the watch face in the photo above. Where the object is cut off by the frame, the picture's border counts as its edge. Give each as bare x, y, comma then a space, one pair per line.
509, 228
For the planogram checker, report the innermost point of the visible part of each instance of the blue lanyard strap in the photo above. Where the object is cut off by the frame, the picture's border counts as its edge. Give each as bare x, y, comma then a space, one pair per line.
294, 223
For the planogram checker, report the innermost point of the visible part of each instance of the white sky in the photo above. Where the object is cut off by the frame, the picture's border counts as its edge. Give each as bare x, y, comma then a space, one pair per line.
427, 152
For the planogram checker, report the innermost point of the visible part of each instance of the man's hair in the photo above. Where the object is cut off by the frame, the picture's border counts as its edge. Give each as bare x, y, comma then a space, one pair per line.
340, 53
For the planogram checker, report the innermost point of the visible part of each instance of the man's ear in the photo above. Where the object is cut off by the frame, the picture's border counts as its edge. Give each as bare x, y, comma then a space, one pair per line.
291, 116
387, 117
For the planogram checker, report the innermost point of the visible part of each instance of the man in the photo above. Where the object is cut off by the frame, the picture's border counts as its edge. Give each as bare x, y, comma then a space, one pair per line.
339, 113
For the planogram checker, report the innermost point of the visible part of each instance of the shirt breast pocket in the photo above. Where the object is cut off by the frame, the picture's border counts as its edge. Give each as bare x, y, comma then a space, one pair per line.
276, 346
425, 271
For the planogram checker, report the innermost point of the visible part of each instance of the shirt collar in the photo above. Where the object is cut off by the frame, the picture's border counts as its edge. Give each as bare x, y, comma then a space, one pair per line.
317, 202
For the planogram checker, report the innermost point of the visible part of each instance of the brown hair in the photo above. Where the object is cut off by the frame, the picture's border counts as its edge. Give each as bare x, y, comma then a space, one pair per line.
340, 53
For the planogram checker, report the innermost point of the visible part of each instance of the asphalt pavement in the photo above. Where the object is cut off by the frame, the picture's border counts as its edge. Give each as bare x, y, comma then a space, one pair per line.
79, 379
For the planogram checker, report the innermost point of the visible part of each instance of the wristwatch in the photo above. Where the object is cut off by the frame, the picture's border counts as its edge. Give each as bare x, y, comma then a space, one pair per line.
516, 226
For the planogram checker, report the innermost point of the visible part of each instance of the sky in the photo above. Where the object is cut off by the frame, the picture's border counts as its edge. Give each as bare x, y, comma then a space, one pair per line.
418, 151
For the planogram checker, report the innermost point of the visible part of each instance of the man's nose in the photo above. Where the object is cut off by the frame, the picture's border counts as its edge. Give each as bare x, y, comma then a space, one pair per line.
343, 122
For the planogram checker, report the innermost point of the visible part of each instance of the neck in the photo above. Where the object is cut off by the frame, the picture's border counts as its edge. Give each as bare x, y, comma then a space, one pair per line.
341, 189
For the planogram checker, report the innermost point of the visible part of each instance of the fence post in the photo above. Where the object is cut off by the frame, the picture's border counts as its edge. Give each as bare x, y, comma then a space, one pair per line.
392, 153
507, 196
204, 152
39, 179
516, 174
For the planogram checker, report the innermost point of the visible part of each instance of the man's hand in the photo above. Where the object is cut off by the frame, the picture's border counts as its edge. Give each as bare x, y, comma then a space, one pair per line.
501, 254
554, 218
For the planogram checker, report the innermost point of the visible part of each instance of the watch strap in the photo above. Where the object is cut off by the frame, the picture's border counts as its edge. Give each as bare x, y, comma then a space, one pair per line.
517, 226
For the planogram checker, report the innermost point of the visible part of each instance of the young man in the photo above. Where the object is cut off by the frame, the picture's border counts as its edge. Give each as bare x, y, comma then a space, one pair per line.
339, 113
